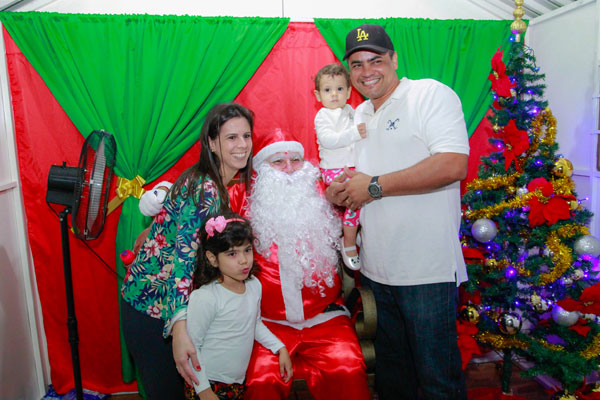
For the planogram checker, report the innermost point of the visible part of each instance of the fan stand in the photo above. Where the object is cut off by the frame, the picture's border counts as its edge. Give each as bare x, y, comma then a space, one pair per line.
71, 319
81, 190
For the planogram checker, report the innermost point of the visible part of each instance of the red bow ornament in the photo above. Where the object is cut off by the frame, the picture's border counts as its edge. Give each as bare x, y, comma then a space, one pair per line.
501, 83
550, 211
467, 345
516, 142
590, 297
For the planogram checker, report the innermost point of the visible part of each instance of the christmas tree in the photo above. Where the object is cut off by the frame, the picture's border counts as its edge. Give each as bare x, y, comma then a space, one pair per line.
525, 238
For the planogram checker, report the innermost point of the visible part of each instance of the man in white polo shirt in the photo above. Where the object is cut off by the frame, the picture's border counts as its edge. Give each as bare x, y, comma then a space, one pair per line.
410, 164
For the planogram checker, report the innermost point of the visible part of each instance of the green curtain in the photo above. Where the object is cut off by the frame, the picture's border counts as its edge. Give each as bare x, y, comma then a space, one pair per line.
454, 52
149, 80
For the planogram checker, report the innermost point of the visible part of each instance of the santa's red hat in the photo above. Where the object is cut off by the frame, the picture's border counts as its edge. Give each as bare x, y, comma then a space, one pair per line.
277, 141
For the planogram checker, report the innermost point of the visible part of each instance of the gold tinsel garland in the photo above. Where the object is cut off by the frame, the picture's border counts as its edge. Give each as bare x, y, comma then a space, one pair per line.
493, 182
593, 350
562, 258
515, 202
522, 271
500, 341
545, 119
562, 186
571, 230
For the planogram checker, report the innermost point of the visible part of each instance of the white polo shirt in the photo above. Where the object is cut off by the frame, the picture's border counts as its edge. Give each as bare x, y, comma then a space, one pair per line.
412, 239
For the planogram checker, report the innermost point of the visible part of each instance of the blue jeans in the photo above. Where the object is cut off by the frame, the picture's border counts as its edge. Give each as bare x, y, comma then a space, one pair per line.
416, 342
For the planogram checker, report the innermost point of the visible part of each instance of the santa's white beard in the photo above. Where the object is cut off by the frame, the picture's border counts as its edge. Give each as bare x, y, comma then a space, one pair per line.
288, 210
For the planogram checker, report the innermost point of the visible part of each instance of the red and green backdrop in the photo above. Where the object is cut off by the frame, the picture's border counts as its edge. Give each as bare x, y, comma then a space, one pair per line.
150, 80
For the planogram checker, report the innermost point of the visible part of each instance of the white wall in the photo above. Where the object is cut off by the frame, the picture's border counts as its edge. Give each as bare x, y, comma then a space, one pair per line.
565, 44
23, 358
294, 9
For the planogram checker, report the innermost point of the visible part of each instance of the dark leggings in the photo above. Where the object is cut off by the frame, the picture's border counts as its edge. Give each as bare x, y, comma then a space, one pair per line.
152, 354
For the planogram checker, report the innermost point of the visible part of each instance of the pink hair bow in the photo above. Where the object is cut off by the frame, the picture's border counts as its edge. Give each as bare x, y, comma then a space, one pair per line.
218, 224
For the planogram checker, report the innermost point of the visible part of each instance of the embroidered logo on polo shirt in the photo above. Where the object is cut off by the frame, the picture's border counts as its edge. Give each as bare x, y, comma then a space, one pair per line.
392, 124
361, 35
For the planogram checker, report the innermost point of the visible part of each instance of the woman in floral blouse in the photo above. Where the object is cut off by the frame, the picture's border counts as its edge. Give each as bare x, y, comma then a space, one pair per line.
156, 288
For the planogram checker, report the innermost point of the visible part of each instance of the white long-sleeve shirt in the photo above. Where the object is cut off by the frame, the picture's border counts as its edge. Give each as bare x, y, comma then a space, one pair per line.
336, 133
223, 325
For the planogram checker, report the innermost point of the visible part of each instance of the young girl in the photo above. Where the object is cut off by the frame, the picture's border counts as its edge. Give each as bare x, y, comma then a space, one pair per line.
156, 288
336, 133
224, 312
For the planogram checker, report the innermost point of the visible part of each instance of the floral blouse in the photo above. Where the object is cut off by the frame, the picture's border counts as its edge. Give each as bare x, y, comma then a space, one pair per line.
158, 281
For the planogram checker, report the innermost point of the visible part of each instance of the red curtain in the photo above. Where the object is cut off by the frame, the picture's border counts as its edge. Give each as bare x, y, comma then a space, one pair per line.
281, 95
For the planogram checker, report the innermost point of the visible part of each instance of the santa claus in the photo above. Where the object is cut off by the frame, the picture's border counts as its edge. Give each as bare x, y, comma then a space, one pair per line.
296, 231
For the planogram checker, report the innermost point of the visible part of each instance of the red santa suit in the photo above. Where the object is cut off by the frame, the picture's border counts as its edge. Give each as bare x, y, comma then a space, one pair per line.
310, 321
323, 346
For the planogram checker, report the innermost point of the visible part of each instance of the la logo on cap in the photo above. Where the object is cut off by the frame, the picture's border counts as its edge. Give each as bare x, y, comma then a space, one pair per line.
361, 35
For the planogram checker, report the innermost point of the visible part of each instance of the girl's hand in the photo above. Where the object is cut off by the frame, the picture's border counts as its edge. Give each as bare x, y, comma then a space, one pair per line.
362, 129
207, 394
285, 365
184, 350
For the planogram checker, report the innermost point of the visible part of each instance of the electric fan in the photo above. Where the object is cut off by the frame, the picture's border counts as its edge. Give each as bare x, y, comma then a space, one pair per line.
84, 192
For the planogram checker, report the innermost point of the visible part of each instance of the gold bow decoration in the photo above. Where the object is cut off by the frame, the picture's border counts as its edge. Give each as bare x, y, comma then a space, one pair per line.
126, 188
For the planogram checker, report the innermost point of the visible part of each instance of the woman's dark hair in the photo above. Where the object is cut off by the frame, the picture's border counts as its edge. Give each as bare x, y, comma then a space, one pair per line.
209, 164
236, 233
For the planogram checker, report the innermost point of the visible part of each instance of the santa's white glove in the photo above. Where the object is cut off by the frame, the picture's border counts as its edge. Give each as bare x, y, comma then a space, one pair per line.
152, 201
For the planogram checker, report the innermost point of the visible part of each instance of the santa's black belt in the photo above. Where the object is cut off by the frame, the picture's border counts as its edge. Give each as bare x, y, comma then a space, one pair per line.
334, 307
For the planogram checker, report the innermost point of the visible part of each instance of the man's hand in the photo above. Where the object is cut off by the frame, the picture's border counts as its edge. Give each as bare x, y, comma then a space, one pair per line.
336, 192
285, 365
139, 242
356, 189
184, 350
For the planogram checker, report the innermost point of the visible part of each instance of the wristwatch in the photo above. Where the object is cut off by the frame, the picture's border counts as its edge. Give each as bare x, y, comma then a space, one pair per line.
374, 188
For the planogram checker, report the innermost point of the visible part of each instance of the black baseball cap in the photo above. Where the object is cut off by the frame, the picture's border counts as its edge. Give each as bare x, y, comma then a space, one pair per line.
368, 37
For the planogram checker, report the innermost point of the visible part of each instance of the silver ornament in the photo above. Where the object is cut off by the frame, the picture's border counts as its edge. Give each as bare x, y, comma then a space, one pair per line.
564, 317
547, 252
484, 230
542, 306
578, 274
522, 190
589, 317
539, 304
509, 323
566, 281
587, 245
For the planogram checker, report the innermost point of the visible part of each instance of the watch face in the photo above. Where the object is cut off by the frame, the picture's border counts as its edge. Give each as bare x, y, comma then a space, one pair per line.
374, 190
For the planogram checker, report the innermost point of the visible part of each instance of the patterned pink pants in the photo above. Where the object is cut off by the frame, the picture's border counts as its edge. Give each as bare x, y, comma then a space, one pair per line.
350, 216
